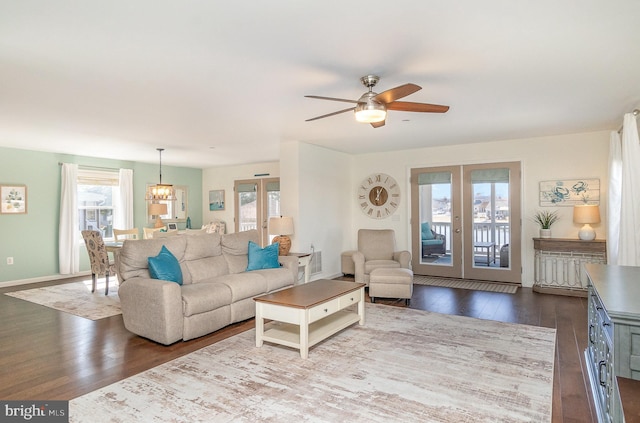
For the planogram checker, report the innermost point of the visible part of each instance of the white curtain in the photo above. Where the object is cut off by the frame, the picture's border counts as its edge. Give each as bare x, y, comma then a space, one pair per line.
614, 198
69, 236
629, 254
123, 218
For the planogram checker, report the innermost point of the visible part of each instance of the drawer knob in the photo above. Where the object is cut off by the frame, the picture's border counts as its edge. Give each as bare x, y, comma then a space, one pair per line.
326, 310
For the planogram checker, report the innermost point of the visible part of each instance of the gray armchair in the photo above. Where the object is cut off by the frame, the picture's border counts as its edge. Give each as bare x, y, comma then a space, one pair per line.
377, 249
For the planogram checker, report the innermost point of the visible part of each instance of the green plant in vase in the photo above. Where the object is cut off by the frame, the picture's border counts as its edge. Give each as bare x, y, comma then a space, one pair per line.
545, 219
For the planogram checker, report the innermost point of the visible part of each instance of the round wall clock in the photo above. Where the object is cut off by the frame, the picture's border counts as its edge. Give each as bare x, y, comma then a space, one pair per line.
378, 196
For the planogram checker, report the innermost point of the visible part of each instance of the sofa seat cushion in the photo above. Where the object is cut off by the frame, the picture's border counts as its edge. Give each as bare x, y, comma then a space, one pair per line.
371, 265
432, 242
204, 296
275, 278
244, 285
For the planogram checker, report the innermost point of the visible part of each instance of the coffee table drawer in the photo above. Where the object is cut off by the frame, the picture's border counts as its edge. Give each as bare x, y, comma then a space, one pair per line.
350, 298
323, 310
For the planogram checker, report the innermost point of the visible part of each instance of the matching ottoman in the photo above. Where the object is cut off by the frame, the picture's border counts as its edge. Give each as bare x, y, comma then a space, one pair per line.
391, 283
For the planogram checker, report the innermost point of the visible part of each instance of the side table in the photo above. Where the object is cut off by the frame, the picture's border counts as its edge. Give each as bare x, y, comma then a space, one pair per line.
304, 261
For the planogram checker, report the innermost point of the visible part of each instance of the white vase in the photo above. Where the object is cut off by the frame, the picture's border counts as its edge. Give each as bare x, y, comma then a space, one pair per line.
545, 233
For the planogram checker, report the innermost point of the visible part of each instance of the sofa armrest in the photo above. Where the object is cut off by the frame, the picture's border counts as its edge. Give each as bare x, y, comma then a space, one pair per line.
403, 257
291, 263
358, 261
153, 309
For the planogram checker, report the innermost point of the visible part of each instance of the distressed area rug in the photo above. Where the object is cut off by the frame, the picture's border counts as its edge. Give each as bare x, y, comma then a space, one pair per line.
403, 365
76, 298
466, 284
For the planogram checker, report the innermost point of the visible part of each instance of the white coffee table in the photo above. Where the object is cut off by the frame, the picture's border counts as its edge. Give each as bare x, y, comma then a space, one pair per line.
306, 314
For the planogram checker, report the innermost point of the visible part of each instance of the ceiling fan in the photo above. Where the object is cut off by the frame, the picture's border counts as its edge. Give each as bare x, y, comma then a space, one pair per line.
372, 107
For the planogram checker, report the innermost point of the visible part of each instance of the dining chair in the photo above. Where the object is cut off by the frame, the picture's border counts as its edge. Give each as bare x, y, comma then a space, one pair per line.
122, 234
148, 232
100, 264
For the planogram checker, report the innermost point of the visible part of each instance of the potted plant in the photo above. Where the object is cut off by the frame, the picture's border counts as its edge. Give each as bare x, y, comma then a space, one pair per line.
545, 219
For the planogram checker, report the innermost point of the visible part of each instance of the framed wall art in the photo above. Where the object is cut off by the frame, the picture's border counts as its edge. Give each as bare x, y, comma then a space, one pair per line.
14, 199
569, 192
216, 200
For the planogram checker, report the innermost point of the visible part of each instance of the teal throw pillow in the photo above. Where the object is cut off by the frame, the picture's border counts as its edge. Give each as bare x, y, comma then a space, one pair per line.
426, 231
165, 266
263, 258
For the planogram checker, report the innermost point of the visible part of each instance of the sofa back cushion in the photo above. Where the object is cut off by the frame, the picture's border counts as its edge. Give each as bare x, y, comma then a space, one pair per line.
133, 257
235, 249
203, 257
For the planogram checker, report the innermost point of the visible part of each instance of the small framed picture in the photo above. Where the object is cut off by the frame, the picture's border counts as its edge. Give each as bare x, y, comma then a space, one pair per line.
172, 226
13, 198
216, 200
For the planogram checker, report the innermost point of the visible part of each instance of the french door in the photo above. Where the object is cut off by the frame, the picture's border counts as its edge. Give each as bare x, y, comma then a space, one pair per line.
256, 200
465, 221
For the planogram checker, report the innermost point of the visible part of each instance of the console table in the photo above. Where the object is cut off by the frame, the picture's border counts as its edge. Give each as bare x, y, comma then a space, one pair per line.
558, 264
613, 347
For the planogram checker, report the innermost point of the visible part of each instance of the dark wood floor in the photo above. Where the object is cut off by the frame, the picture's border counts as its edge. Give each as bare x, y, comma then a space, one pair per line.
50, 355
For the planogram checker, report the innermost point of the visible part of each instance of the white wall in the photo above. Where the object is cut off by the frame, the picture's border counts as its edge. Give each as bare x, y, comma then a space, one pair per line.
549, 158
315, 190
223, 178
319, 187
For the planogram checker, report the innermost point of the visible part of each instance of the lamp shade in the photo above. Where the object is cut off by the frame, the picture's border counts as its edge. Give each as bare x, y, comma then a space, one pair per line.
586, 213
282, 225
157, 209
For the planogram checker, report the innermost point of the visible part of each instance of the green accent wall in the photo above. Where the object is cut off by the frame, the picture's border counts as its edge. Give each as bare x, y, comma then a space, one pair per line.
32, 238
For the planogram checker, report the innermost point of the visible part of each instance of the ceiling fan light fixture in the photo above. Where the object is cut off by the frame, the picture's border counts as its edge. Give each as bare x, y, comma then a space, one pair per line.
369, 110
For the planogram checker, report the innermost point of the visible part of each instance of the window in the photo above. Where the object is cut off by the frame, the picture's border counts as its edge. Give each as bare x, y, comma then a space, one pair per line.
97, 191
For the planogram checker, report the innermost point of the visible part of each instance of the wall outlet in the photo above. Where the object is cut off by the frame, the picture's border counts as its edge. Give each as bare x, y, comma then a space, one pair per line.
9, 260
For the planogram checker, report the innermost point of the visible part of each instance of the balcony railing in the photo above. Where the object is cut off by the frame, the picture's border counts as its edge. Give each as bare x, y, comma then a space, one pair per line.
497, 232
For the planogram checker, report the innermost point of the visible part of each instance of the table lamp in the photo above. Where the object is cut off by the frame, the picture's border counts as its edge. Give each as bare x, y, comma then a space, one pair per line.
157, 210
587, 214
282, 227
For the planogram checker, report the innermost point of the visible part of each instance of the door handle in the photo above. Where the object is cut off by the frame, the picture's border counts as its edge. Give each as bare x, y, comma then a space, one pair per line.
458, 230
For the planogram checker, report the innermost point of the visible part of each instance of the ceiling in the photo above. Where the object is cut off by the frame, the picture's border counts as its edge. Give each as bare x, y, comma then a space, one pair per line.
223, 83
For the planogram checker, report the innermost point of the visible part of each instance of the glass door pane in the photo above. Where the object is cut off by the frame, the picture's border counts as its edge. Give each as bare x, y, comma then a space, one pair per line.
435, 242
246, 205
256, 201
492, 222
272, 201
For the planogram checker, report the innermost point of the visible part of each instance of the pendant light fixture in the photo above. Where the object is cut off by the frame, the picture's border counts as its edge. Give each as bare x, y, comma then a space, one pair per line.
160, 191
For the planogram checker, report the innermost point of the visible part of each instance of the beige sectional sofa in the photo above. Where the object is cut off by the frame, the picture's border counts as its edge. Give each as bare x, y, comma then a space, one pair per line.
216, 289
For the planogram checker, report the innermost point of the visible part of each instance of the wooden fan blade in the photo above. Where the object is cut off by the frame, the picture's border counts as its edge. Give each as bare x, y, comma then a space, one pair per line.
396, 93
407, 106
331, 114
332, 98
378, 124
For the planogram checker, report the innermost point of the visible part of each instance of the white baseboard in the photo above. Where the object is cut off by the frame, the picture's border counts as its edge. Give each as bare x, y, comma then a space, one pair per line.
43, 279
321, 276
